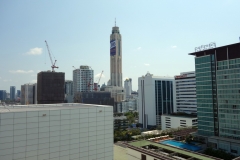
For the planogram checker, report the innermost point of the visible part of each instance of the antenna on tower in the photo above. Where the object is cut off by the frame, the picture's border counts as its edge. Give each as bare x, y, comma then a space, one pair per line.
115, 22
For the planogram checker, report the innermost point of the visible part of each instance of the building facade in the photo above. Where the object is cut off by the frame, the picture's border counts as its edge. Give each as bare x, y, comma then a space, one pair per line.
175, 121
186, 92
28, 94
50, 87
218, 93
83, 79
102, 98
156, 96
12, 92
63, 131
3, 95
18, 93
68, 91
128, 87
126, 106
116, 57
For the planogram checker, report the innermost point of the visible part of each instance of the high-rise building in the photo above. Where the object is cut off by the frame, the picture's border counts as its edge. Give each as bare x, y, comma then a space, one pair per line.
12, 92
50, 87
156, 96
83, 79
186, 92
69, 91
128, 87
218, 96
3, 95
28, 94
63, 131
116, 57
18, 93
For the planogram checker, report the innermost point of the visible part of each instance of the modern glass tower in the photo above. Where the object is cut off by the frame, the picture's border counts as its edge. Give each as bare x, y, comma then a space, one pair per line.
218, 96
12, 92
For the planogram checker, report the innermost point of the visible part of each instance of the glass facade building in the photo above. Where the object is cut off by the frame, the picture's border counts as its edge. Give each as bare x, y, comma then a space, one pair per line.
218, 95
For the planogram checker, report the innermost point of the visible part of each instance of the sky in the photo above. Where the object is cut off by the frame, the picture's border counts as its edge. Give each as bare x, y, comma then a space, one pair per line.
157, 36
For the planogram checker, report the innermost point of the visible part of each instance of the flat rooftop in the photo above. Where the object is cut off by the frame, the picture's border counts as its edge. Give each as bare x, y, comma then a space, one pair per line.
39, 107
174, 149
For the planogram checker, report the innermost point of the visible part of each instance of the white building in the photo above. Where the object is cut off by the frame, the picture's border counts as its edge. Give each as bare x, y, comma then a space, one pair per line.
29, 94
156, 96
83, 79
67, 131
128, 87
175, 121
186, 92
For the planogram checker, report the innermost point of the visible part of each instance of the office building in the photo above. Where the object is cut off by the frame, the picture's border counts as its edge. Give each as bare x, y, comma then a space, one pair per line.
12, 92
175, 121
56, 131
218, 96
50, 87
28, 94
126, 105
68, 91
3, 95
83, 79
156, 96
102, 98
128, 87
186, 92
18, 93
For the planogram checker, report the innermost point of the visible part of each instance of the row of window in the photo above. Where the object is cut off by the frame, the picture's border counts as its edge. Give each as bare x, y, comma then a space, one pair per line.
229, 86
228, 81
208, 78
229, 96
229, 71
202, 59
231, 76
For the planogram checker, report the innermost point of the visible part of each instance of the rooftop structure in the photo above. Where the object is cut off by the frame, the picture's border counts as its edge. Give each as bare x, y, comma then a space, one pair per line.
56, 131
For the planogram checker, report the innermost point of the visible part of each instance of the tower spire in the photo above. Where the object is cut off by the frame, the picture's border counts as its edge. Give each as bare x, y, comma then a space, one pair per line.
115, 22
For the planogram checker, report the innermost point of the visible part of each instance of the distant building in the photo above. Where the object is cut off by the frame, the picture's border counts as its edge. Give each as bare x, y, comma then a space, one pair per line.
175, 121
120, 122
126, 106
12, 92
3, 95
186, 92
18, 93
156, 96
64, 131
102, 98
83, 79
68, 91
28, 94
128, 87
116, 92
50, 87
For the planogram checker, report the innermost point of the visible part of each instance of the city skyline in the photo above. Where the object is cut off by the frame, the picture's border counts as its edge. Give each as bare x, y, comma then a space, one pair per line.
157, 35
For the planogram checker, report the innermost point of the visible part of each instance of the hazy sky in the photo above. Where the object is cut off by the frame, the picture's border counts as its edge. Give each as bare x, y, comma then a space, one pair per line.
156, 35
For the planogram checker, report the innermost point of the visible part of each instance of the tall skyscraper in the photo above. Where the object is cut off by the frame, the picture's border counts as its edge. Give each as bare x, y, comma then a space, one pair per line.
12, 92
50, 87
28, 94
116, 57
218, 96
83, 79
156, 96
186, 92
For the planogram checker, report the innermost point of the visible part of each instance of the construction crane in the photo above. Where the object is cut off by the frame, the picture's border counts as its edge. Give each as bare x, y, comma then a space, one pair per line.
96, 87
53, 64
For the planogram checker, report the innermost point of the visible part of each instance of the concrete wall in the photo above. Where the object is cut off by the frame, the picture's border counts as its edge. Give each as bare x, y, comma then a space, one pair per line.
169, 121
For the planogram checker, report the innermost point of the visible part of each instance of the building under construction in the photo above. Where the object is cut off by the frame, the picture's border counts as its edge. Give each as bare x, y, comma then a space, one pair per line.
102, 98
50, 87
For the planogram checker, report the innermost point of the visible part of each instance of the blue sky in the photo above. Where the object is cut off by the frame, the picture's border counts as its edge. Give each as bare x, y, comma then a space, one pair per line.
156, 35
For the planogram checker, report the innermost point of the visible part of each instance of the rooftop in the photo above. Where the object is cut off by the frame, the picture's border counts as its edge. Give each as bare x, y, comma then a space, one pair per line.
196, 155
39, 107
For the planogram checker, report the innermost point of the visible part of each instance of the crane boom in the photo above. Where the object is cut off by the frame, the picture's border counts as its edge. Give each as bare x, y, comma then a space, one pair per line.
53, 64
100, 77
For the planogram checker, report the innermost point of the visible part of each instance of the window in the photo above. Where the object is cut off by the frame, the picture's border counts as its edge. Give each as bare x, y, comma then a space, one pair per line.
234, 106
